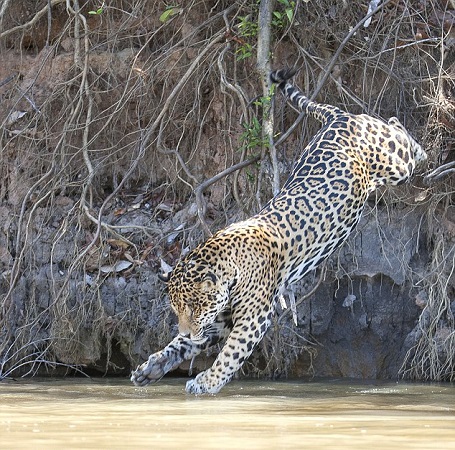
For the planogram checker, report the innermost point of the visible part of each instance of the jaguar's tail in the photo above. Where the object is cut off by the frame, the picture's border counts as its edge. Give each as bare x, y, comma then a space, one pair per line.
323, 113
281, 76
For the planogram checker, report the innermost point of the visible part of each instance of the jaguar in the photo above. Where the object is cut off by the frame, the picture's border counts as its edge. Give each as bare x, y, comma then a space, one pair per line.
226, 289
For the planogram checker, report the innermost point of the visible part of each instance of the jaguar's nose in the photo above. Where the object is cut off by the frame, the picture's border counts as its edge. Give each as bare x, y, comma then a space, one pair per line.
184, 330
185, 335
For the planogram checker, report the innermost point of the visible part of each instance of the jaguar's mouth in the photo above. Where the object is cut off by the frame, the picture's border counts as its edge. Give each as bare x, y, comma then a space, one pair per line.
196, 339
199, 339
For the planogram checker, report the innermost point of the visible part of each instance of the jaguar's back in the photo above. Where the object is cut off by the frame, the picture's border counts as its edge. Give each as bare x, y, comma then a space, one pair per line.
323, 198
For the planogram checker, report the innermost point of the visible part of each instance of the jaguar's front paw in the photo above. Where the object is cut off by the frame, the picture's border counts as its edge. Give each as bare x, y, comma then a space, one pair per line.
149, 372
202, 384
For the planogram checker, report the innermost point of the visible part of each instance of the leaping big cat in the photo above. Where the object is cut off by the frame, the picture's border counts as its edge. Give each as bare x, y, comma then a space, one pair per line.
226, 289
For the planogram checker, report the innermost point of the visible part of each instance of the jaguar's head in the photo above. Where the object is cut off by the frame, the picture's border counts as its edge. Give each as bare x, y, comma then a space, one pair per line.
417, 152
197, 293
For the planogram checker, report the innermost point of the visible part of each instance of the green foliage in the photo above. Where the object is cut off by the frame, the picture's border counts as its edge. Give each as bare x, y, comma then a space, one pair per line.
98, 11
244, 51
283, 16
169, 12
264, 102
247, 29
248, 25
252, 136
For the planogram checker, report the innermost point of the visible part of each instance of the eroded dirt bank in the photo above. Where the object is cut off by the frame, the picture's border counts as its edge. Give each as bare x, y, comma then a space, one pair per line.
112, 119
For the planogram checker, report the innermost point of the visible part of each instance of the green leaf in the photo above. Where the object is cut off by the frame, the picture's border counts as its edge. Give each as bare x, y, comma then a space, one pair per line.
167, 14
98, 12
289, 13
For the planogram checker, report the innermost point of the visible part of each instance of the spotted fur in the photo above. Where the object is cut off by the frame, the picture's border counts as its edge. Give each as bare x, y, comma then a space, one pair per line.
228, 286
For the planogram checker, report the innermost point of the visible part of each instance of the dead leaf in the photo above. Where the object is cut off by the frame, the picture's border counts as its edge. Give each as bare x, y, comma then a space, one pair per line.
15, 116
117, 267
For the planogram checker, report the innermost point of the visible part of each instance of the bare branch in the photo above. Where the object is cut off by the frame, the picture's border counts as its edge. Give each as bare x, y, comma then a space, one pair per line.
199, 191
439, 172
315, 287
31, 22
3, 8
329, 69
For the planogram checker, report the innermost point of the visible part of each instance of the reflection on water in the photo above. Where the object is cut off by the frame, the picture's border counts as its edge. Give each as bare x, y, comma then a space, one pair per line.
105, 414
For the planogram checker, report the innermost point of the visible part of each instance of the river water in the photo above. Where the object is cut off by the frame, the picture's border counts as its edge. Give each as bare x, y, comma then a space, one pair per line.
109, 414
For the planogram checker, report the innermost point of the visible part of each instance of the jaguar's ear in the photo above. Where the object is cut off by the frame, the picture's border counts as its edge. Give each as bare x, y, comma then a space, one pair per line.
394, 122
166, 270
164, 277
210, 276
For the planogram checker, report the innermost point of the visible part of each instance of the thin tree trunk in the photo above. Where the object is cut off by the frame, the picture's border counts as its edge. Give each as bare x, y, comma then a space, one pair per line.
264, 68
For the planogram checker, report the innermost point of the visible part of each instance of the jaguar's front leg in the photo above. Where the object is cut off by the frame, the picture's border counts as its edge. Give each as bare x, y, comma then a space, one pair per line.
180, 349
245, 335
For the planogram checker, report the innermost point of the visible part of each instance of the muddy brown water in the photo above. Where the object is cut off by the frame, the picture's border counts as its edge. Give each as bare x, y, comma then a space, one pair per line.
330, 414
